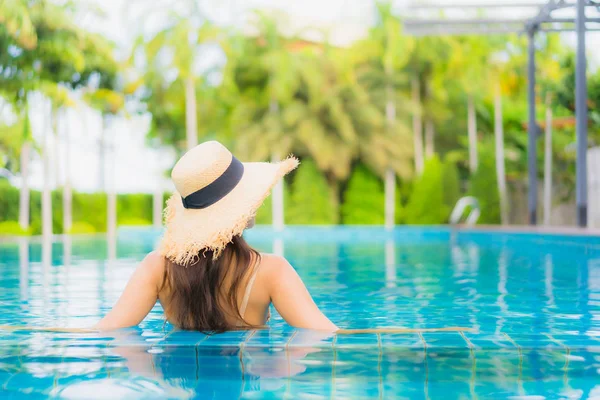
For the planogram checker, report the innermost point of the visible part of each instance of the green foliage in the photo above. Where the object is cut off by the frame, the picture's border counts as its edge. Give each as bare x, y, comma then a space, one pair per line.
363, 199
89, 210
403, 192
82, 227
134, 222
484, 187
426, 205
9, 201
264, 215
451, 184
311, 198
134, 209
11, 228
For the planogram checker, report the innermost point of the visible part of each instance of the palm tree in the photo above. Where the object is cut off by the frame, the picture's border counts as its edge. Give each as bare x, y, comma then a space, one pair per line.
469, 64
176, 48
389, 54
109, 103
428, 68
262, 74
54, 56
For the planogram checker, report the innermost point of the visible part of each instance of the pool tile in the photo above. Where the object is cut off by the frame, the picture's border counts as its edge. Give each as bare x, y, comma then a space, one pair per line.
179, 338
444, 340
267, 338
482, 341
408, 340
227, 339
357, 340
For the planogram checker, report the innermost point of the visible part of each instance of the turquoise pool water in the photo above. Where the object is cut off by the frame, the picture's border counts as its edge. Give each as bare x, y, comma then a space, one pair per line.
531, 302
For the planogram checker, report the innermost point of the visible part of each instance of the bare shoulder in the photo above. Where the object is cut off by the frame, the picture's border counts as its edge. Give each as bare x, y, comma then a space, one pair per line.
153, 267
272, 262
275, 267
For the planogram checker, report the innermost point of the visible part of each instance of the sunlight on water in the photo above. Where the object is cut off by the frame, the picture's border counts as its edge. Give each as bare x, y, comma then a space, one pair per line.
531, 304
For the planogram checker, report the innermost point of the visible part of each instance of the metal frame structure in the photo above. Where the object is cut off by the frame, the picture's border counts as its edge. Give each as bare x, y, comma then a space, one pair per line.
543, 21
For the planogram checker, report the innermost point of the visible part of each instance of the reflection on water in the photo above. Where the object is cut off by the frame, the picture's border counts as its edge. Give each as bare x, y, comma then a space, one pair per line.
534, 303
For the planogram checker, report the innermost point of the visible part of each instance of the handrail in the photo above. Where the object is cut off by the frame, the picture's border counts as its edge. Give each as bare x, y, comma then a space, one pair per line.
459, 209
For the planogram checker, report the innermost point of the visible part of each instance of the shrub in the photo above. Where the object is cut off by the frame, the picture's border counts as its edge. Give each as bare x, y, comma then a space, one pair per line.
451, 184
363, 199
90, 208
483, 186
9, 201
403, 192
134, 222
426, 204
82, 227
311, 198
132, 209
11, 228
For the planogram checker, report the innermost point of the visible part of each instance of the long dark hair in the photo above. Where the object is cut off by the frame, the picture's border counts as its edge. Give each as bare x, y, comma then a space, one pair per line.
197, 300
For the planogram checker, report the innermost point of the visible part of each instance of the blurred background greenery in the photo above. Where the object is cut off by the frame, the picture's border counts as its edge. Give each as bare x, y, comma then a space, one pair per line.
387, 115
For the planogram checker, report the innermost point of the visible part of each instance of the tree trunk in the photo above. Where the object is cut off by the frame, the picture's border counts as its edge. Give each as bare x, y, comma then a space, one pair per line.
472, 132
500, 172
111, 201
191, 119
277, 204
157, 207
46, 194
548, 162
24, 190
390, 199
67, 194
429, 139
101, 157
56, 144
390, 176
417, 126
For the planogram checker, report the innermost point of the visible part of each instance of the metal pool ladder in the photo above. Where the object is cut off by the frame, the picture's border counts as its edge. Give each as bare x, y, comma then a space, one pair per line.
459, 209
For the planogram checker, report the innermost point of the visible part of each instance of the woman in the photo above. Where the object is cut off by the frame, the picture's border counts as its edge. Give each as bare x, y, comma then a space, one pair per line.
204, 274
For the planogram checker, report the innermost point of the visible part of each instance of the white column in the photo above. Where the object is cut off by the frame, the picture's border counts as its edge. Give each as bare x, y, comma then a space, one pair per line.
277, 203
548, 166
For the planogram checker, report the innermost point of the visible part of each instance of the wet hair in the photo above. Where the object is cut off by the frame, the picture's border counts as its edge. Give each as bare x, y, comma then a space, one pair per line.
198, 300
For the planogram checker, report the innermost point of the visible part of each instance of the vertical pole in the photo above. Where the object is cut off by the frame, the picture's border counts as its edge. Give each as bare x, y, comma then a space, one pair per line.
548, 162
581, 116
417, 123
390, 199
532, 130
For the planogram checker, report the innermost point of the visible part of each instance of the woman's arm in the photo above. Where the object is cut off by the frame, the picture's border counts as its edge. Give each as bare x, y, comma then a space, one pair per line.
291, 298
139, 296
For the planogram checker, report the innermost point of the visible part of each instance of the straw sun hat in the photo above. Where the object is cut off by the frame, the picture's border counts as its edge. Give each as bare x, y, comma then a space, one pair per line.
216, 197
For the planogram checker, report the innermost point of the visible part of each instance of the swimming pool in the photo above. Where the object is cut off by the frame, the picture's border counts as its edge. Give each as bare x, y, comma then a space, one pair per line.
532, 302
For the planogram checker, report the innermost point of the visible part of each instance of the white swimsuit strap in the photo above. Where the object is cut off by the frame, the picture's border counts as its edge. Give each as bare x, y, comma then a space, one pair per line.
248, 290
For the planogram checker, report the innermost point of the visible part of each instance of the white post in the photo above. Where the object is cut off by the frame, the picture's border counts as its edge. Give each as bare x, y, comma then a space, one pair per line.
67, 194
157, 207
500, 171
390, 176
548, 163
472, 133
390, 199
111, 223
24, 191
191, 119
277, 196
417, 126
46, 194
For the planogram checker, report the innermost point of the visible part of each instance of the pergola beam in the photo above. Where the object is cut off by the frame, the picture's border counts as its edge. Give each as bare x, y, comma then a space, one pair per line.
531, 26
